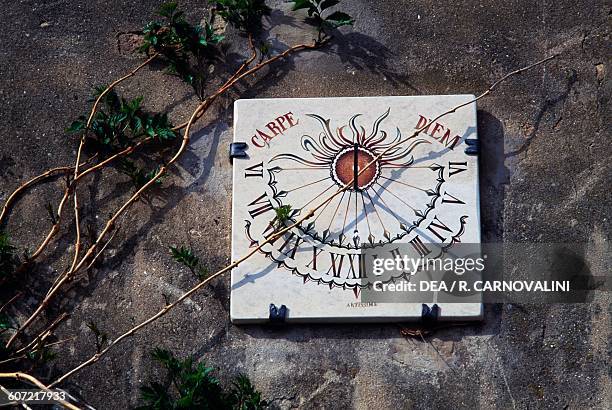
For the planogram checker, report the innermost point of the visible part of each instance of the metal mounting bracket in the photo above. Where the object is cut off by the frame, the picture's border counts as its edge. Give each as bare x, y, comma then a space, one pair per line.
430, 315
278, 315
473, 147
238, 150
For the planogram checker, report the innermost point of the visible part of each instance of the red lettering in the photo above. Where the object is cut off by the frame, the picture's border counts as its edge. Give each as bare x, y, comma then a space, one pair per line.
422, 122
274, 128
281, 121
437, 127
445, 140
277, 127
289, 117
254, 140
264, 136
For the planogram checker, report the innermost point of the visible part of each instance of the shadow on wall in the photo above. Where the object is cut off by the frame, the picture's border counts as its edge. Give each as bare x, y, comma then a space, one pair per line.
494, 176
366, 54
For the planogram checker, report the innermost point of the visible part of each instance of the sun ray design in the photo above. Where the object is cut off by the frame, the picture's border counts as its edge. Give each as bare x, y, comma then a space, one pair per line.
327, 146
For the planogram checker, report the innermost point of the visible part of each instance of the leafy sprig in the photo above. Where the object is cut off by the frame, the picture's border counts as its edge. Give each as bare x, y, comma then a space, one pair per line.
138, 175
189, 385
283, 213
243, 395
8, 256
42, 355
121, 122
101, 337
187, 257
244, 15
187, 49
319, 16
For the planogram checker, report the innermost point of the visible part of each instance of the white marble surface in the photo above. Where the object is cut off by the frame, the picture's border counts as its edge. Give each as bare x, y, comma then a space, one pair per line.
301, 152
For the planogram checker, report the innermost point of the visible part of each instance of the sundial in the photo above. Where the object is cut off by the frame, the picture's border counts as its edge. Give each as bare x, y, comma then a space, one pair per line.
377, 189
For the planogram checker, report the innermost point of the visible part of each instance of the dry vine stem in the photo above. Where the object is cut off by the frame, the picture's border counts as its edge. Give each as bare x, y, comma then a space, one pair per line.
23, 356
64, 171
198, 112
48, 331
71, 189
45, 175
32, 380
93, 359
77, 244
72, 186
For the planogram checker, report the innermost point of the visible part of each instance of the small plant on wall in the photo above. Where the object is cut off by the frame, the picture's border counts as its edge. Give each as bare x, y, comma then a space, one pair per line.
190, 385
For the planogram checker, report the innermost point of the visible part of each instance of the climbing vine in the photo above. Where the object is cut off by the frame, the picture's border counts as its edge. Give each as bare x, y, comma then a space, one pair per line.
114, 133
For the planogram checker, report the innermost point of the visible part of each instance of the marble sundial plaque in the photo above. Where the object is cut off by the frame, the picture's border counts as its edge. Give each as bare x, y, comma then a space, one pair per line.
418, 195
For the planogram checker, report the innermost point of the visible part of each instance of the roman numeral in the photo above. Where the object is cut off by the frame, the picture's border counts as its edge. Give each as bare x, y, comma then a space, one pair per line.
254, 171
336, 267
395, 253
456, 167
293, 250
436, 223
260, 206
360, 273
419, 246
454, 200
315, 252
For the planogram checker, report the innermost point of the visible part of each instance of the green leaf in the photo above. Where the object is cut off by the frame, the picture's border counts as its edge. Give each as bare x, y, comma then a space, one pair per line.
302, 4
202, 273
244, 15
135, 103
156, 395
325, 4
165, 134
92, 326
339, 18
161, 355
116, 119
185, 256
5, 322
8, 258
194, 386
136, 123
216, 38
76, 126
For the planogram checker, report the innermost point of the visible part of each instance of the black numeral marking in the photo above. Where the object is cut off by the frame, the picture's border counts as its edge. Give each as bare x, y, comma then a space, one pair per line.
451, 199
419, 246
260, 206
315, 253
436, 226
291, 250
254, 171
336, 264
456, 167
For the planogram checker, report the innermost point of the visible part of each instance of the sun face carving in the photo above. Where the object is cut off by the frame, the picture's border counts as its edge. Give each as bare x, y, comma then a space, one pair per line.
346, 169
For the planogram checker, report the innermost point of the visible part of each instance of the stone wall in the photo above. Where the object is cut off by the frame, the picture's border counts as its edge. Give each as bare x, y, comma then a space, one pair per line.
545, 177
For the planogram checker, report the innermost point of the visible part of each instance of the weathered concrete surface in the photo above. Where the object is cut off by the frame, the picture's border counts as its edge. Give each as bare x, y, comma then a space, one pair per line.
546, 177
